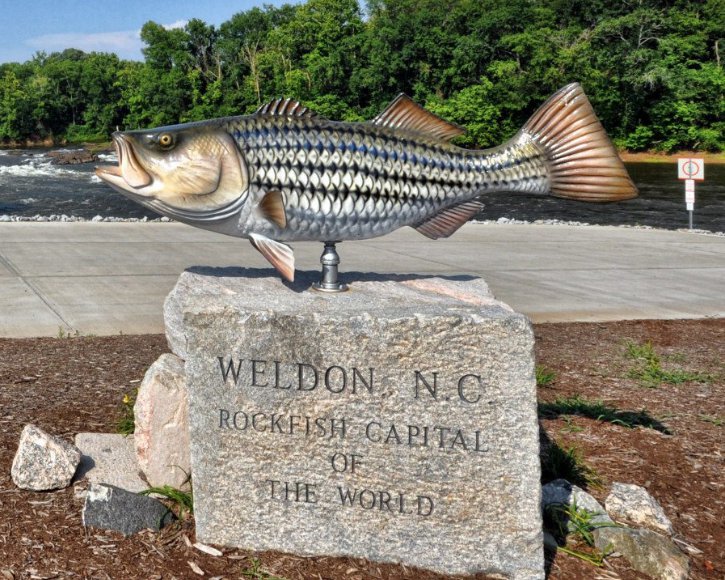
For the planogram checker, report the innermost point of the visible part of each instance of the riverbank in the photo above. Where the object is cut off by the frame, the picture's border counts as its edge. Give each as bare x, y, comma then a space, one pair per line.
51, 143
657, 157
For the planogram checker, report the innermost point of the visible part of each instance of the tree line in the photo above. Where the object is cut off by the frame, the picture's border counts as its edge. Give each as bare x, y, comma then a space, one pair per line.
652, 69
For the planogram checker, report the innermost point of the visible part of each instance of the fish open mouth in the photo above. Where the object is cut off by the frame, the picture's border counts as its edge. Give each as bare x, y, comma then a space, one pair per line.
128, 174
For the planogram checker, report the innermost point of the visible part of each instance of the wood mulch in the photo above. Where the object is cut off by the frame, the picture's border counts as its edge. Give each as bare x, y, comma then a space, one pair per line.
72, 385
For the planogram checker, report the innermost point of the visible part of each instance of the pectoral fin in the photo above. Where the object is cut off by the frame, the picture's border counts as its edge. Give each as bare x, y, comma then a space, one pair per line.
446, 222
272, 208
279, 255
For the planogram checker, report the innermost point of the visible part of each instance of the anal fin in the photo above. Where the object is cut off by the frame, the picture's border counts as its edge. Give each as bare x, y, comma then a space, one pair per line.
447, 222
280, 255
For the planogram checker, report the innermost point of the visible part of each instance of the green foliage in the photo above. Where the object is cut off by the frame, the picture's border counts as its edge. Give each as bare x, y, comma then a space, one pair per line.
83, 134
182, 501
15, 106
256, 572
649, 371
644, 351
653, 72
637, 140
570, 521
544, 376
560, 463
717, 421
472, 108
68, 333
578, 405
126, 424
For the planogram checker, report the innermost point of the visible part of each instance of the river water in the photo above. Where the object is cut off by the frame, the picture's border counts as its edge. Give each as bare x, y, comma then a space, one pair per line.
30, 185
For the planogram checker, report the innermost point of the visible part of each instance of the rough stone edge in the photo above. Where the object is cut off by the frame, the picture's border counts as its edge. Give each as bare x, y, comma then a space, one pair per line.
168, 364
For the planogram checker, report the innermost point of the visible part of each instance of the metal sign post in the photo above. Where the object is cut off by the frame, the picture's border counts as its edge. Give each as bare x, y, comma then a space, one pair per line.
690, 170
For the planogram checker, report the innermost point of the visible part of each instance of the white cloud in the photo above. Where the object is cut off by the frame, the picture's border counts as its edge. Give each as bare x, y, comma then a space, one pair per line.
177, 24
125, 43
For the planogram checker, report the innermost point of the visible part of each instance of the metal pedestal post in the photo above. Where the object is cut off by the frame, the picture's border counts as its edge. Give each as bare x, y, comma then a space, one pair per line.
329, 260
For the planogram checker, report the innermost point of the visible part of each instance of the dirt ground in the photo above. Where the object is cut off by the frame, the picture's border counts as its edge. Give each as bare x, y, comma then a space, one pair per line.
71, 385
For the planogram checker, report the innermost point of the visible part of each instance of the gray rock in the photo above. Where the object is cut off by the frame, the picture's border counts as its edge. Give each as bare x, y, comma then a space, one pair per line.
395, 422
72, 157
110, 458
561, 492
632, 503
112, 508
43, 462
162, 424
646, 551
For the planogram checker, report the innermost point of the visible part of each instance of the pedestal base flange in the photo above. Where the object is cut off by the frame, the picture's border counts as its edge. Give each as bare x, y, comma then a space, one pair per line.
329, 282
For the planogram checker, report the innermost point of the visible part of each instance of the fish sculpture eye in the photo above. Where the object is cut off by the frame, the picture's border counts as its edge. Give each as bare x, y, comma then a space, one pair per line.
166, 141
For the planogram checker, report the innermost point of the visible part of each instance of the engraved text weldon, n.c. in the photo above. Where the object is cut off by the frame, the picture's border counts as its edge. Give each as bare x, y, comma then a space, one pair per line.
298, 376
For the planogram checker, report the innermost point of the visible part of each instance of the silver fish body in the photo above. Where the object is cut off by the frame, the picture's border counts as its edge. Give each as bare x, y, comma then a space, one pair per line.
285, 174
345, 181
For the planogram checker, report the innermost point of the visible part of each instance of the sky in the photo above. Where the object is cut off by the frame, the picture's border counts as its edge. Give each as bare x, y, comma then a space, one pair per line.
29, 26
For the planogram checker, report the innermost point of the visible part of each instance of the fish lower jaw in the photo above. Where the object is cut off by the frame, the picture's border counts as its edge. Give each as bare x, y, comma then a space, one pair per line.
113, 176
104, 170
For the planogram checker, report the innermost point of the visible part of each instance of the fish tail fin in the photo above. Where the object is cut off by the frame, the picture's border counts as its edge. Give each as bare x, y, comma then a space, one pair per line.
582, 161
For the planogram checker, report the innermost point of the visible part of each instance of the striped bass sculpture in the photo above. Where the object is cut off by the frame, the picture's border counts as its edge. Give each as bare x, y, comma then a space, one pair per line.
285, 174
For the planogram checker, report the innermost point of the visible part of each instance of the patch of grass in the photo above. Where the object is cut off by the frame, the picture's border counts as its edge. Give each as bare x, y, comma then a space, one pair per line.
717, 421
256, 572
183, 501
596, 409
560, 463
544, 376
571, 427
127, 424
648, 367
68, 333
636, 351
678, 358
570, 520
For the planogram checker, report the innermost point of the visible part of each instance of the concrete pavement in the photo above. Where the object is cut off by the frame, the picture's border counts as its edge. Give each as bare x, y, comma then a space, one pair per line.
107, 278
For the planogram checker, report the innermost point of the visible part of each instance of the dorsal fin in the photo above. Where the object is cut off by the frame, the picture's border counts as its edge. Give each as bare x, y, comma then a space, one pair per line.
284, 108
446, 222
405, 113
